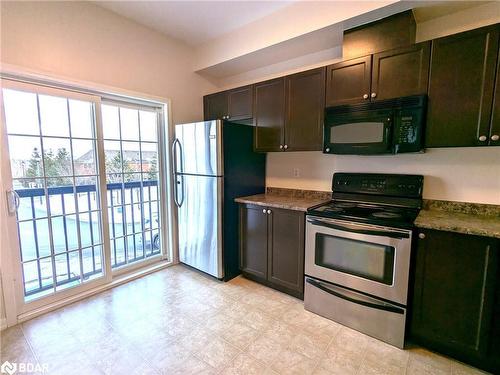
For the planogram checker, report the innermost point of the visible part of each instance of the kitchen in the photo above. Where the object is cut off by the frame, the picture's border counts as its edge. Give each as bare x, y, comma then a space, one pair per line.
370, 130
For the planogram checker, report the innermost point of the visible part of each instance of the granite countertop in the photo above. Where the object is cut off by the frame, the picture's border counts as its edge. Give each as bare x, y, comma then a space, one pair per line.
289, 199
467, 218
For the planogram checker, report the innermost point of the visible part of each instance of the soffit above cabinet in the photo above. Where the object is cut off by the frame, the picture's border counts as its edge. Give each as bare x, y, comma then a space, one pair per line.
245, 60
247, 40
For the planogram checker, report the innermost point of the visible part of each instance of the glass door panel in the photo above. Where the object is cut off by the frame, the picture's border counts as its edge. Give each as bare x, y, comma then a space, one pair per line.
52, 149
131, 153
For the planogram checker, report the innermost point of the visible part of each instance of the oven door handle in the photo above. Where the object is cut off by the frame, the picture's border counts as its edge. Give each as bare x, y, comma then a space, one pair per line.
379, 306
348, 228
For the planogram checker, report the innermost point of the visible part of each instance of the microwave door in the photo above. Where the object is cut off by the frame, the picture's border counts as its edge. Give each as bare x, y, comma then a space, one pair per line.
359, 136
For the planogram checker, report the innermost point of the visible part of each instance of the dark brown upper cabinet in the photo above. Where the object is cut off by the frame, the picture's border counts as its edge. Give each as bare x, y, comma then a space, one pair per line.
289, 111
215, 106
305, 108
385, 75
348, 82
391, 32
269, 115
401, 72
232, 105
454, 295
461, 87
240, 103
495, 113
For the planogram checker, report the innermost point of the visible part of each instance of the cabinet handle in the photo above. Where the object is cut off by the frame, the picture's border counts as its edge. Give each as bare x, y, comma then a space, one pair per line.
264, 211
269, 212
495, 137
483, 138
374, 95
365, 96
327, 149
421, 236
285, 147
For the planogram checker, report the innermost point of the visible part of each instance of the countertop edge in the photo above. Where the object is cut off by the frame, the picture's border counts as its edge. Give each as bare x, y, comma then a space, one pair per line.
283, 205
457, 229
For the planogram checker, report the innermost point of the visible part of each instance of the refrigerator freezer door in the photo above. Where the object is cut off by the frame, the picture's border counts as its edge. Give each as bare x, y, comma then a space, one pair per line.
200, 223
198, 148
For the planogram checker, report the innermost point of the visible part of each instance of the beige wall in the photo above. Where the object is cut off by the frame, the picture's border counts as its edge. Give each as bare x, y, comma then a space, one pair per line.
459, 174
85, 42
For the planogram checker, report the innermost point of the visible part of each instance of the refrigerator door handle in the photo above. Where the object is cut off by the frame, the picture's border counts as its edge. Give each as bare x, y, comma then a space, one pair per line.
174, 162
174, 156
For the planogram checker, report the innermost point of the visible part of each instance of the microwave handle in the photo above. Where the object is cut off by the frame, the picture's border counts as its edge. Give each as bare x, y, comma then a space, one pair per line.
379, 306
348, 228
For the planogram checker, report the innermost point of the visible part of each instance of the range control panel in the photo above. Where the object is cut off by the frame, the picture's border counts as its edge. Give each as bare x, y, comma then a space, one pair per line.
397, 185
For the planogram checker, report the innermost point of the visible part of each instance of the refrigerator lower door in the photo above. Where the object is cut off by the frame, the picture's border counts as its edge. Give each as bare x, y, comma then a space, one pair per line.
200, 222
197, 148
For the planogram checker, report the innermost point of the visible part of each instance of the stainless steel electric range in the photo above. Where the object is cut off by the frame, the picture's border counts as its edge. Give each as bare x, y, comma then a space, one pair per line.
358, 247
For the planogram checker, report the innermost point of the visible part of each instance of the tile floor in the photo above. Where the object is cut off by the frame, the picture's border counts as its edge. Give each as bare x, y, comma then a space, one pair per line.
177, 321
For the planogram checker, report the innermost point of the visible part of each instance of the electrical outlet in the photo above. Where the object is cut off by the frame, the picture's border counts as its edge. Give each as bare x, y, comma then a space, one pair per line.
296, 172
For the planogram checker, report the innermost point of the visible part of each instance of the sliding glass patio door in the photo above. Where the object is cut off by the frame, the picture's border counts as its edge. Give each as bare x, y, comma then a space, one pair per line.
67, 162
131, 151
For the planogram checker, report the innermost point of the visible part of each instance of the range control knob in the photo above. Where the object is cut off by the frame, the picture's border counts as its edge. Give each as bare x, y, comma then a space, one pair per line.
421, 236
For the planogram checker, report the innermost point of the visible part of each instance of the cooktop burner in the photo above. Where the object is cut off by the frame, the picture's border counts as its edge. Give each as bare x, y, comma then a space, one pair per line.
367, 212
385, 199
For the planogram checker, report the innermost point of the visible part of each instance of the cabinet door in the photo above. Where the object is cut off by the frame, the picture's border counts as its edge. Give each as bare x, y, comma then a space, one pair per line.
241, 103
401, 72
215, 106
269, 114
454, 291
286, 250
461, 88
253, 240
305, 107
495, 114
348, 82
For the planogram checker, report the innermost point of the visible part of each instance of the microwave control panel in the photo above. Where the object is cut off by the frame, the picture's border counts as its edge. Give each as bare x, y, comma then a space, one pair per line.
408, 130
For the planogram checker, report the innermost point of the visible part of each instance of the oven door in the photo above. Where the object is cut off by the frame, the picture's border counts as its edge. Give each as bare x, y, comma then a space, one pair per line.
368, 258
360, 133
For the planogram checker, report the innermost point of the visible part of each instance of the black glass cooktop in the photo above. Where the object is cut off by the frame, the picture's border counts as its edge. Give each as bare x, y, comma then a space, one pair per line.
367, 212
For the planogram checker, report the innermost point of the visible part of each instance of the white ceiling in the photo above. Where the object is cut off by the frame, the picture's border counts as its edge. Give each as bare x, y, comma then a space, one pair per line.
194, 22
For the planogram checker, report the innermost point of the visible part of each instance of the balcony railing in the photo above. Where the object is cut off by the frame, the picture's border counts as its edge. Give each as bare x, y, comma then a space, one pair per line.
133, 207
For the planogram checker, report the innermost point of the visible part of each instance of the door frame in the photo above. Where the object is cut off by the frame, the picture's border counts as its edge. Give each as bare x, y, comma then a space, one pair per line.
14, 308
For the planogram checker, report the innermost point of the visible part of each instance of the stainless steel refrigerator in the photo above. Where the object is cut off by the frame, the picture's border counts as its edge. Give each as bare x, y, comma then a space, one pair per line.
213, 163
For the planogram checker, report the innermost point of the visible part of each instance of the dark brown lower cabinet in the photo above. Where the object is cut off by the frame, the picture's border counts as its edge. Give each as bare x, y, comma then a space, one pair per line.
272, 247
454, 296
253, 241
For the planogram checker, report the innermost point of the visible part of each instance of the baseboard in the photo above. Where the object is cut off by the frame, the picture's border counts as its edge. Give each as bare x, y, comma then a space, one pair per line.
3, 324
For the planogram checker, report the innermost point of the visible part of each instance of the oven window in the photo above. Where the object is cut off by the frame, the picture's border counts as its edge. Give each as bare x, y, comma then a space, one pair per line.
365, 259
359, 132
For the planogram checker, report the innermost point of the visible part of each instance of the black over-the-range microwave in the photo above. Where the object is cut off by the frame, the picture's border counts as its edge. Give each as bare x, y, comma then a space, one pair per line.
383, 127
